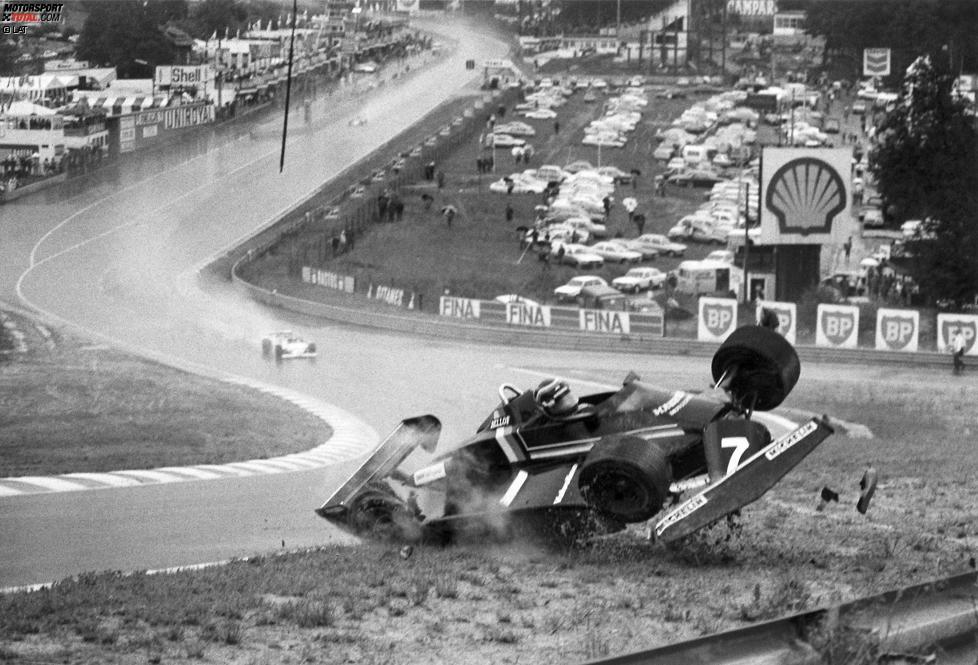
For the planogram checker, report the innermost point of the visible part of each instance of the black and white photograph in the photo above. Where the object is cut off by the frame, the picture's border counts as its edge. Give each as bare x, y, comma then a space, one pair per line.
458, 332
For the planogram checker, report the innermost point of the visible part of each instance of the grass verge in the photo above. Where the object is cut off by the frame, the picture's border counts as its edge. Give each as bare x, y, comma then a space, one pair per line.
67, 405
480, 602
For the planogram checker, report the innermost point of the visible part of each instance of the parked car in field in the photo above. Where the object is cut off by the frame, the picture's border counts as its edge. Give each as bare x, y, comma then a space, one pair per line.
595, 229
639, 279
871, 216
616, 174
579, 256
724, 255
505, 141
515, 128
540, 114
648, 251
695, 178
665, 246
579, 165
613, 252
572, 289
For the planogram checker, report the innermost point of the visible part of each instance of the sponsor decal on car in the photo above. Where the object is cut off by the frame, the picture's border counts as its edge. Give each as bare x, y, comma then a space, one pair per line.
790, 439
430, 474
499, 421
685, 509
674, 404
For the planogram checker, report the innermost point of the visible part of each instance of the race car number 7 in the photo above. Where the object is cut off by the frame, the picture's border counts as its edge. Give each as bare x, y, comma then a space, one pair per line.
740, 444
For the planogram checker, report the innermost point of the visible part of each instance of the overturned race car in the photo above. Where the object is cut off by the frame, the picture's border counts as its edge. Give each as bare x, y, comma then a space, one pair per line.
545, 462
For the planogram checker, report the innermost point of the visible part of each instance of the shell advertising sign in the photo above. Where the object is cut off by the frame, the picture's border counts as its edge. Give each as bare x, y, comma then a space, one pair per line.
805, 195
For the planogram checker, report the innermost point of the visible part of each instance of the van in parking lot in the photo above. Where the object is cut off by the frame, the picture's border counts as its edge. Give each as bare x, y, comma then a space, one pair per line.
708, 277
600, 296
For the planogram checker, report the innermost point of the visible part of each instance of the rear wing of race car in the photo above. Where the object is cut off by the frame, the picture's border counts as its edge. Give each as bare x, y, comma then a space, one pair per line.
421, 431
746, 484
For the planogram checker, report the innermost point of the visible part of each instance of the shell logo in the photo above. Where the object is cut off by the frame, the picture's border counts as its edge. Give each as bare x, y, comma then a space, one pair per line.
805, 195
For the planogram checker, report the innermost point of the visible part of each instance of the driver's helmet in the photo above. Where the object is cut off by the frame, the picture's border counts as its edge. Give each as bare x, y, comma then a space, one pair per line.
555, 398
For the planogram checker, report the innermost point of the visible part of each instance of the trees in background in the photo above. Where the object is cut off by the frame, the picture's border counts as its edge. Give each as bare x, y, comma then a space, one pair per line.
908, 27
127, 34
926, 167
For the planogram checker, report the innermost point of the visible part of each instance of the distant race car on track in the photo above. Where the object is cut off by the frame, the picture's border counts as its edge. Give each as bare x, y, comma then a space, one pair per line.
547, 463
286, 345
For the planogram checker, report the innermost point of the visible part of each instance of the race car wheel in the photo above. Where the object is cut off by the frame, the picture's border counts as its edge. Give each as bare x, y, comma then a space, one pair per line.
312, 347
625, 478
266, 347
279, 352
761, 367
379, 513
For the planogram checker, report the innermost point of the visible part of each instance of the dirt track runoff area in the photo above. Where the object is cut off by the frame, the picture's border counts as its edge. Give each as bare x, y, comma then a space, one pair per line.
509, 603
69, 405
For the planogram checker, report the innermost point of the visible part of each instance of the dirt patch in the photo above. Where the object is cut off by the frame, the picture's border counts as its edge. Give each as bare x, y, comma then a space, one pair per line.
68, 405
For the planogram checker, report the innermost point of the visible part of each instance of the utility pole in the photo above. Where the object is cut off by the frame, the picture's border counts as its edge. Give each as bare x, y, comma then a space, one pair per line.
746, 238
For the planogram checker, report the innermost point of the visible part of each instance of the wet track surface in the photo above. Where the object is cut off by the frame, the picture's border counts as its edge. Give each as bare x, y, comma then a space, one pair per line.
116, 259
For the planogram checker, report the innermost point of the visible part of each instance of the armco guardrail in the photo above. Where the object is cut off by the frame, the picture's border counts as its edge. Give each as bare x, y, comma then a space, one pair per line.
428, 325
920, 619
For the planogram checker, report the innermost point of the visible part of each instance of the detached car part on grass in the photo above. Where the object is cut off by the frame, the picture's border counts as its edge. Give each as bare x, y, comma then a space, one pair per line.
594, 465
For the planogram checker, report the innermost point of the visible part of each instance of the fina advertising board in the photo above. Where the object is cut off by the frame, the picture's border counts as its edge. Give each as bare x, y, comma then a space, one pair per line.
805, 195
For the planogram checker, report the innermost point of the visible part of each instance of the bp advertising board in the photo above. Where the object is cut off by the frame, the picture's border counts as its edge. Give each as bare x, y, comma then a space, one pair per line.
838, 326
787, 317
717, 319
948, 325
805, 195
897, 329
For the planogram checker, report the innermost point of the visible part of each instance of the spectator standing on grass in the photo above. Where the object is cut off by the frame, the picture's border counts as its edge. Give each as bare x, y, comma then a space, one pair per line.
342, 241
847, 249
441, 179
449, 216
509, 212
556, 126
957, 349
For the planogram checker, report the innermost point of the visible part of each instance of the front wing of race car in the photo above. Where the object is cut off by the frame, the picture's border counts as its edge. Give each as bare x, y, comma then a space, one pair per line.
744, 485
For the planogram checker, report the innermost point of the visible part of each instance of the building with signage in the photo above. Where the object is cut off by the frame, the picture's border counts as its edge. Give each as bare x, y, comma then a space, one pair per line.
805, 203
27, 129
789, 24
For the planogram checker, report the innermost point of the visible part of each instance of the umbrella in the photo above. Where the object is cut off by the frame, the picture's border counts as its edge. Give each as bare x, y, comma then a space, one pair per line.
629, 203
449, 210
869, 262
635, 172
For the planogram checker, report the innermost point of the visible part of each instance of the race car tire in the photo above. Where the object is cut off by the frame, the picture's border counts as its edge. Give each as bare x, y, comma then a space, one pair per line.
766, 364
266, 347
279, 352
626, 478
378, 513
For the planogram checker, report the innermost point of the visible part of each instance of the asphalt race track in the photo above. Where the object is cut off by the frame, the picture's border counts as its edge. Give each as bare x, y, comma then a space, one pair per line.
116, 260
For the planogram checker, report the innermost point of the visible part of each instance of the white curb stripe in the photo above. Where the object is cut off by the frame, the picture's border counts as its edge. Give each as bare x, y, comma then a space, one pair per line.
109, 479
53, 484
147, 475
